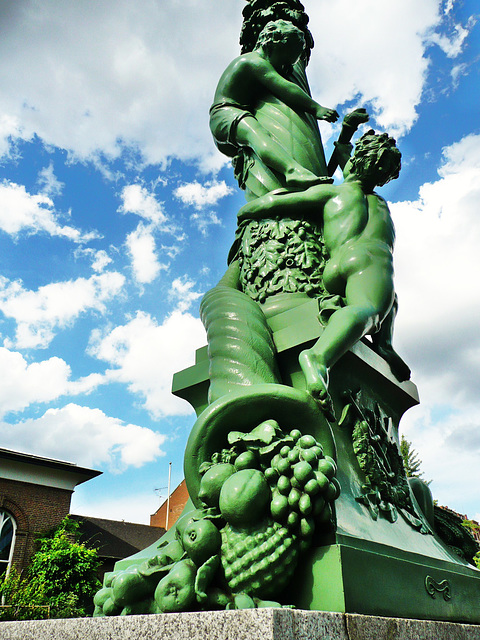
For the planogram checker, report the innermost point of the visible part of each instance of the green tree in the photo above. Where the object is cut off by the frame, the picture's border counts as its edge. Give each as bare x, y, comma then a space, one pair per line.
60, 581
474, 528
410, 459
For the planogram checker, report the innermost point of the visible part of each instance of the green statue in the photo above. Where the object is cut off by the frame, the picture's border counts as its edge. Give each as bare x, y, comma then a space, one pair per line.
358, 234
292, 466
245, 83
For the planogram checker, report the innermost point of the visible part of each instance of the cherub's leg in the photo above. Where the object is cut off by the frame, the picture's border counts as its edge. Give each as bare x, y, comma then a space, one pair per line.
316, 378
382, 344
345, 327
250, 133
369, 295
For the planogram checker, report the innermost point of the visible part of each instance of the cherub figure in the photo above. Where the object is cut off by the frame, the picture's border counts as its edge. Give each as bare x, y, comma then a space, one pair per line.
359, 236
245, 83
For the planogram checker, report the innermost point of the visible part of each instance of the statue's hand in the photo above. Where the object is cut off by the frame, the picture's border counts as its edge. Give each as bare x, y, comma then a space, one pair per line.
356, 117
322, 113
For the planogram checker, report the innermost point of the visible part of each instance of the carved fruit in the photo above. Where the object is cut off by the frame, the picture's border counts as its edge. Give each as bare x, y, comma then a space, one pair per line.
244, 498
283, 485
176, 591
294, 497
305, 505
201, 540
305, 442
303, 471
242, 601
212, 482
279, 507
310, 455
259, 562
312, 487
102, 596
327, 468
307, 527
130, 586
246, 460
110, 608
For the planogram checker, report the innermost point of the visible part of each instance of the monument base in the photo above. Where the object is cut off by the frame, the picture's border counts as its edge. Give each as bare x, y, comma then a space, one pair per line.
384, 556
249, 624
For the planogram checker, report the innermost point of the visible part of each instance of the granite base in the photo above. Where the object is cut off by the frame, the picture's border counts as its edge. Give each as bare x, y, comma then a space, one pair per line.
249, 624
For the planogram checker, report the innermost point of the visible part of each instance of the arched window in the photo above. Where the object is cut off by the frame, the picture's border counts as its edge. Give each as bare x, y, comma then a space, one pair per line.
8, 527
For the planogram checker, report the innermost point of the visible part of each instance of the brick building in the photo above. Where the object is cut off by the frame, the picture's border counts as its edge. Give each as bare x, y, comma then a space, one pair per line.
35, 496
178, 499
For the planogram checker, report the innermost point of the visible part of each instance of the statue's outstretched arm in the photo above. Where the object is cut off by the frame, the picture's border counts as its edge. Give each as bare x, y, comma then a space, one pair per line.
292, 95
343, 148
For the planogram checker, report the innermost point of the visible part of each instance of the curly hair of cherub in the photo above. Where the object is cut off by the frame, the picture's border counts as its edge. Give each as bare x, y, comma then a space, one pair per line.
375, 150
278, 31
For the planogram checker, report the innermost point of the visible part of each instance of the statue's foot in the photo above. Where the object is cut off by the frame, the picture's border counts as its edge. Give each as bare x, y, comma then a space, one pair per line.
316, 376
398, 366
301, 179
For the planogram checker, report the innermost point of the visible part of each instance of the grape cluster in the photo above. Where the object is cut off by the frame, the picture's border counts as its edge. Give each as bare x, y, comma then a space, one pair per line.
303, 485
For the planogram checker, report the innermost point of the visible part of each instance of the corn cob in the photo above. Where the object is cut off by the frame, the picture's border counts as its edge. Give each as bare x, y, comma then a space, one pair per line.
259, 562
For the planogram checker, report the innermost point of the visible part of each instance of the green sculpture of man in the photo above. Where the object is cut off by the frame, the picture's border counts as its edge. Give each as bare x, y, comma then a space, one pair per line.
244, 84
359, 235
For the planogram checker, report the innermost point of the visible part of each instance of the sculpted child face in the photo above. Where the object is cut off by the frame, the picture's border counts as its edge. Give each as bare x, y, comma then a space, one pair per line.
293, 48
284, 37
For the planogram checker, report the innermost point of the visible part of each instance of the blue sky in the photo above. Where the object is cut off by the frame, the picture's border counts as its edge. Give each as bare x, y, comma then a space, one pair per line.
117, 212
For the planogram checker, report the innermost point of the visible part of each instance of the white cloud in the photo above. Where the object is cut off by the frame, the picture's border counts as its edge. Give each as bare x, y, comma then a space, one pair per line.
205, 219
40, 313
10, 130
94, 439
94, 78
48, 181
141, 245
437, 263
22, 211
142, 251
24, 384
101, 260
448, 6
373, 52
452, 45
448, 444
437, 266
99, 257
202, 195
136, 199
173, 250
146, 355
181, 292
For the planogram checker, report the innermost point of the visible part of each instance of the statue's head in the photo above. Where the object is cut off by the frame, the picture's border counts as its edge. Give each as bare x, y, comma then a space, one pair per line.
257, 13
278, 33
377, 158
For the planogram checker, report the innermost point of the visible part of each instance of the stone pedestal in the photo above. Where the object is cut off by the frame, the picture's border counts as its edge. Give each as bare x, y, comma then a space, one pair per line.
249, 624
383, 558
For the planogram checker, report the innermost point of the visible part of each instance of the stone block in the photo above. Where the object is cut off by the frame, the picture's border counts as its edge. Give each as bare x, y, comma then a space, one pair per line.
249, 624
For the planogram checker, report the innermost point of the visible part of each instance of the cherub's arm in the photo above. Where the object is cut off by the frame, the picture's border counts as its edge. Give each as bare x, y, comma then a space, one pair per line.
288, 92
343, 147
281, 203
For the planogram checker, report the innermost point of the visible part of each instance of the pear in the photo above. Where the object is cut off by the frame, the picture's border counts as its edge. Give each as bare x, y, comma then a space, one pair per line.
176, 591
